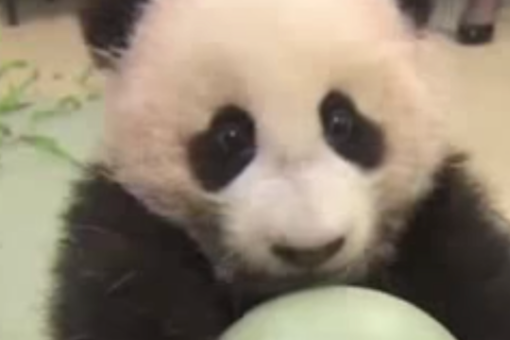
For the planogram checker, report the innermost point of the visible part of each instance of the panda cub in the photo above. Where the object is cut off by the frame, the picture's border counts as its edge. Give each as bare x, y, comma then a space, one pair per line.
257, 147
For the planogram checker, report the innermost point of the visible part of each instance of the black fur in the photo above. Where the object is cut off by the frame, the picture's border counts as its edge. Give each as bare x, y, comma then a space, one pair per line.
220, 154
107, 26
357, 139
125, 274
454, 260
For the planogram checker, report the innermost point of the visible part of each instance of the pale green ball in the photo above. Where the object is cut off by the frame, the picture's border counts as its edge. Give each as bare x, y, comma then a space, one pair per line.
337, 313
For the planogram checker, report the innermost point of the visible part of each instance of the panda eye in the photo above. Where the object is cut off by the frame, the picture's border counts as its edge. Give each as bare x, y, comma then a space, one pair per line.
349, 133
232, 132
224, 150
338, 118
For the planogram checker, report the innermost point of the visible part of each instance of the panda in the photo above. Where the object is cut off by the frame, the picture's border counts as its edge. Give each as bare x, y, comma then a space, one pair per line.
257, 147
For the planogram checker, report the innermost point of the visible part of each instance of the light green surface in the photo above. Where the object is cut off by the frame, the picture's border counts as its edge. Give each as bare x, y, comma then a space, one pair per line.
338, 313
33, 191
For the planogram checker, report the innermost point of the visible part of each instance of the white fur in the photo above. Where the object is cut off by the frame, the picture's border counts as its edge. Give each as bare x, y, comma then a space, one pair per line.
277, 59
303, 202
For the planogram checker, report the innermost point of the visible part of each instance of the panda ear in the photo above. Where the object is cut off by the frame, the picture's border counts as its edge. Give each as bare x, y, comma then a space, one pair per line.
107, 26
419, 11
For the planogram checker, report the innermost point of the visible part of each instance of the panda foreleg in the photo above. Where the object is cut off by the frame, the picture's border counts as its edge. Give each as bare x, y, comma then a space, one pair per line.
454, 260
124, 274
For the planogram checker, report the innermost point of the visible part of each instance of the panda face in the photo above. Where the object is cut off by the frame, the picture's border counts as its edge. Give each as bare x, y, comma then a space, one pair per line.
297, 201
289, 138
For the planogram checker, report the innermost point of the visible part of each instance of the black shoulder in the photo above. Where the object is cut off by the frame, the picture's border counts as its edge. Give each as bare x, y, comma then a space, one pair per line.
124, 273
107, 26
454, 260
99, 198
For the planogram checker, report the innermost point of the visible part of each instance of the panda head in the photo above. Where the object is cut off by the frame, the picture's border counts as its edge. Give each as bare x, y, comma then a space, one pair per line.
288, 138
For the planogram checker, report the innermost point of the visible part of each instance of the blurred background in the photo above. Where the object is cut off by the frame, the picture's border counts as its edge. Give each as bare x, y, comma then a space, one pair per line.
50, 105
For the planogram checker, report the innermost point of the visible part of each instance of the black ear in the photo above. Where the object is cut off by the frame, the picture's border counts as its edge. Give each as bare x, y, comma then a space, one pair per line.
419, 11
107, 26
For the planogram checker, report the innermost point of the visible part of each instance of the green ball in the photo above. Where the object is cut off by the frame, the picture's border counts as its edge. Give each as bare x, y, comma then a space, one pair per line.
337, 313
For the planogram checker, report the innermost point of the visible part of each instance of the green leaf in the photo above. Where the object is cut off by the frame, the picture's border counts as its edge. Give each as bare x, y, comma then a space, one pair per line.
89, 90
42, 115
69, 103
93, 96
12, 105
66, 105
28, 82
15, 99
12, 65
11, 102
50, 146
84, 78
5, 132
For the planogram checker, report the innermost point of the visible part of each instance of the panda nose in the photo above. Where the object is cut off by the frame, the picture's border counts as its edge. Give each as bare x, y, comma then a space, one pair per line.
308, 257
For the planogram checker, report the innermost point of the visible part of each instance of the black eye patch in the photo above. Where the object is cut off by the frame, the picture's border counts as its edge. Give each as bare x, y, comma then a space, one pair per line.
350, 133
221, 153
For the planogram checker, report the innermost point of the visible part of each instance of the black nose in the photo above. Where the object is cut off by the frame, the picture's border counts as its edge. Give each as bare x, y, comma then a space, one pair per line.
308, 257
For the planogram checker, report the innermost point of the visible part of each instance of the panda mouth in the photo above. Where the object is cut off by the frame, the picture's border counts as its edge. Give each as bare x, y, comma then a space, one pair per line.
269, 284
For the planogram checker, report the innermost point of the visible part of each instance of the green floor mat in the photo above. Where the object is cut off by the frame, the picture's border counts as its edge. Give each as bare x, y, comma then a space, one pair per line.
33, 191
